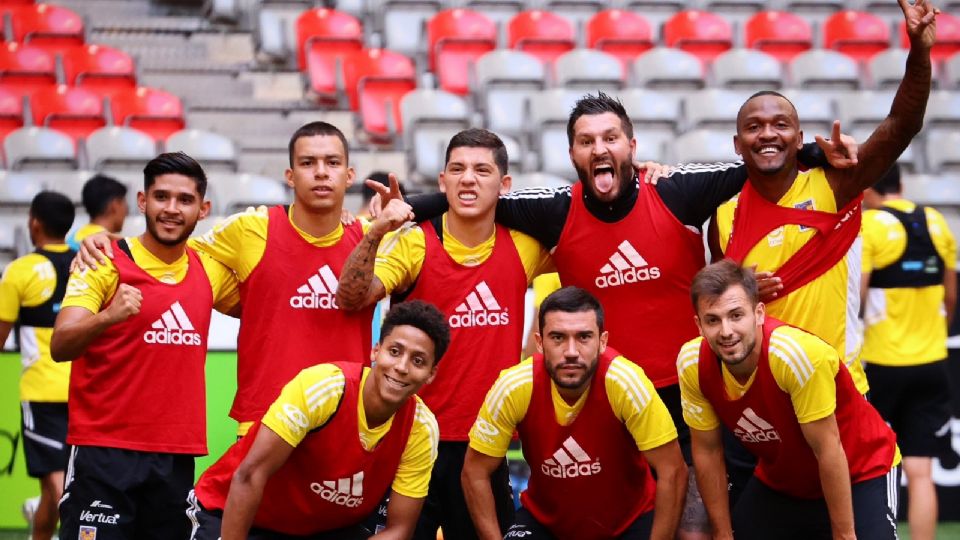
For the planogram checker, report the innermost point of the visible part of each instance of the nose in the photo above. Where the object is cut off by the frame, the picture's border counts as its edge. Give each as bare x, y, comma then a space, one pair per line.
320, 170
599, 147
767, 132
571, 348
403, 364
172, 205
726, 327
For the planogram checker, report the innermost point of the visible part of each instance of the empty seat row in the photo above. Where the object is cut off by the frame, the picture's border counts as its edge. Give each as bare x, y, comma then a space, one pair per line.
25, 68
50, 24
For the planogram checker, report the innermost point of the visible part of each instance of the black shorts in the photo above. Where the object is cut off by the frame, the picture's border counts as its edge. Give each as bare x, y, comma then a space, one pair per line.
44, 428
206, 526
670, 395
526, 527
113, 494
762, 513
915, 401
445, 507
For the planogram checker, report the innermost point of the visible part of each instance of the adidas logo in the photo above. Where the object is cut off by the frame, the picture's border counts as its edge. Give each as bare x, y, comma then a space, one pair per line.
625, 266
345, 491
570, 461
173, 328
479, 309
753, 429
319, 292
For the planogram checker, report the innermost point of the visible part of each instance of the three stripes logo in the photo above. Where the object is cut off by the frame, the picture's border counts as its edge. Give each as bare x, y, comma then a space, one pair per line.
625, 266
570, 461
479, 309
345, 491
753, 429
319, 292
173, 328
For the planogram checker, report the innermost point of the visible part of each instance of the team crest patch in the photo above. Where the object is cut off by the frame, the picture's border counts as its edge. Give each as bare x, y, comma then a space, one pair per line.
88, 533
805, 205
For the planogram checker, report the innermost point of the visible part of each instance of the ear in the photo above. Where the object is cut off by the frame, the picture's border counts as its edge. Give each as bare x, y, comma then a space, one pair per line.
373, 352
633, 147
506, 182
288, 176
204, 209
539, 340
604, 337
799, 139
433, 373
440, 183
351, 176
696, 319
736, 145
142, 202
761, 313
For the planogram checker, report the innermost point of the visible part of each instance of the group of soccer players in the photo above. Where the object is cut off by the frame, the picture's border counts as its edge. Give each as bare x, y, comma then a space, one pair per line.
341, 440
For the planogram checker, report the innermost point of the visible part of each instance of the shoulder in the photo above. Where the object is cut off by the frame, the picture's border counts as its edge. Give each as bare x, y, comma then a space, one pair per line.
631, 379
937, 223
510, 381
800, 351
689, 354
539, 194
424, 419
21, 269
321, 381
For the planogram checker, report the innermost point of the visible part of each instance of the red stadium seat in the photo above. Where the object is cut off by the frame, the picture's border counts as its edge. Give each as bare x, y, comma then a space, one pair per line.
780, 34
53, 26
376, 80
325, 37
11, 111
457, 38
856, 34
702, 34
542, 34
623, 34
26, 68
948, 37
153, 111
8, 3
72, 110
103, 69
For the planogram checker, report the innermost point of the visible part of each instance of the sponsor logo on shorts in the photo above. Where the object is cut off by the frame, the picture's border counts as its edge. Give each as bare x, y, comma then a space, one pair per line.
173, 328
480, 308
570, 461
98, 504
517, 533
319, 292
87, 533
99, 517
625, 266
344, 491
753, 429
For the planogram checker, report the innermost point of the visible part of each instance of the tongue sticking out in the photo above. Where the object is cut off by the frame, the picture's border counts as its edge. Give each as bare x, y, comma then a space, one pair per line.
603, 182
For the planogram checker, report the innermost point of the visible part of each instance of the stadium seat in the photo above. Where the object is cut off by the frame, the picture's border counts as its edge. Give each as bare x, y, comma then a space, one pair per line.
703, 34
275, 38
780, 34
538, 180
39, 146
864, 109
404, 22
948, 37
623, 34
940, 190
47, 24
238, 191
816, 10
25, 69
501, 12
857, 34
376, 80
589, 70
542, 34
506, 80
747, 68
714, 108
515, 154
17, 189
457, 38
102, 69
11, 111
115, 146
212, 150
815, 109
943, 110
549, 111
153, 111
75, 111
823, 69
578, 12
663, 68
324, 38
649, 109
952, 71
886, 68
430, 119
705, 146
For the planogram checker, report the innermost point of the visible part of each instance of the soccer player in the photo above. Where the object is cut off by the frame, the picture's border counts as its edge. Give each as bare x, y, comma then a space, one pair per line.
804, 226
329, 447
31, 290
136, 330
591, 425
105, 201
477, 273
909, 259
827, 461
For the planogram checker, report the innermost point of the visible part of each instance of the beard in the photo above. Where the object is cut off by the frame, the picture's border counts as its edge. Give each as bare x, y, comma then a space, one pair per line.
749, 344
568, 384
152, 229
625, 174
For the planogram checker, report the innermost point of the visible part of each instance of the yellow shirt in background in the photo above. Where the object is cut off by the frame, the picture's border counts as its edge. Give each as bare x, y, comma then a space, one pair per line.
544, 285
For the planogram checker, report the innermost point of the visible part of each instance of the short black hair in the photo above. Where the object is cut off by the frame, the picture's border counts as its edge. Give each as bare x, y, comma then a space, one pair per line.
889, 183
423, 316
318, 128
571, 299
714, 279
381, 178
598, 104
766, 93
98, 192
480, 138
54, 211
174, 163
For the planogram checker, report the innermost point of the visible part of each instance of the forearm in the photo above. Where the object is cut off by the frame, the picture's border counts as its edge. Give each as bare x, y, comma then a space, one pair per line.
711, 473
71, 339
242, 502
835, 481
356, 279
668, 505
479, 496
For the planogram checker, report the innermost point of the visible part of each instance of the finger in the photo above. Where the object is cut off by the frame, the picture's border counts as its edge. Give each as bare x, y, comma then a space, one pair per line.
381, 189
394, 186
835, 135
824, 144
904, 5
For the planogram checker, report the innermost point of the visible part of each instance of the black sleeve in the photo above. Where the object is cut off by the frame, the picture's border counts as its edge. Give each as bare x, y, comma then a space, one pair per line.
427, 206
812, 156
539, 212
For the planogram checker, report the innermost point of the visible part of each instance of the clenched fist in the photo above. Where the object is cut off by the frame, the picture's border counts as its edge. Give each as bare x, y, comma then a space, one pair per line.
125, 304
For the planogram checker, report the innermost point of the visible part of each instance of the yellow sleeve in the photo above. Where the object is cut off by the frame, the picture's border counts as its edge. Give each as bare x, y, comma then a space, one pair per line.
943, 239
504, 407
697, 411
805, 367
544, 285
305, 403
416, 463
237, 242
535, 259
636, 403
225, 285
400, 258
884, 239
11, 291
725, 221
91, 289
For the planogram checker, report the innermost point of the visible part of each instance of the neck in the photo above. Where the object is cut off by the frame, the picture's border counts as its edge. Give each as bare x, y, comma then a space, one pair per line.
167, 254
773, 187
571, 395
742, 371
316, 223
470, 232
891, 197
44, 241
103, 221
375, 409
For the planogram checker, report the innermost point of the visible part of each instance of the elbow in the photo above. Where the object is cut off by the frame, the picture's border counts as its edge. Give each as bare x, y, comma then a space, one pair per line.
57, 350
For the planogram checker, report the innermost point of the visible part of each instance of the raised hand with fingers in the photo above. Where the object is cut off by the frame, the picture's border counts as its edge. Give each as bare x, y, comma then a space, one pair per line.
652, 171
94, 249
393, 210
921, 18
841, 150
383, 194
125, 304
768, 285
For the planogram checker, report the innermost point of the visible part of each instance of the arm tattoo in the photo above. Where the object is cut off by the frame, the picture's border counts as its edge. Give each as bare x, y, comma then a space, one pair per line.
356, 278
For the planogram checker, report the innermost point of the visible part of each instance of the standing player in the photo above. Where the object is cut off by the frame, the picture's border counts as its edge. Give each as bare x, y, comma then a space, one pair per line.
105, 201
589, 422
477, 273
334, 441
31, 290
827, 461
909, 258
137, 327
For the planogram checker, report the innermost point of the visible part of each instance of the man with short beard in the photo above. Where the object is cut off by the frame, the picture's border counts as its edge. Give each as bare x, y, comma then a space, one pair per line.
136, 329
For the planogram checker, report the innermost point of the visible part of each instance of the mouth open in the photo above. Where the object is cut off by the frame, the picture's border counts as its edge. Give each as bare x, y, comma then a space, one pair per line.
395, 383
603, 178
467, 196
769, 150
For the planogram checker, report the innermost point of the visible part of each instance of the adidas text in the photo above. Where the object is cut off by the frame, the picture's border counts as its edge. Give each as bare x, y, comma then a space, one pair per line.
172, 337
479, 318
631, 275
332, 495
314, 301
761, 436
571, 471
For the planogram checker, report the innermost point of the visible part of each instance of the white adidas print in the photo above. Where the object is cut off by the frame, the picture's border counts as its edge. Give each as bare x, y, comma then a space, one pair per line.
570, 461
479, 309
319, 292
625, 266
753, 429
344, 491
173, 328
